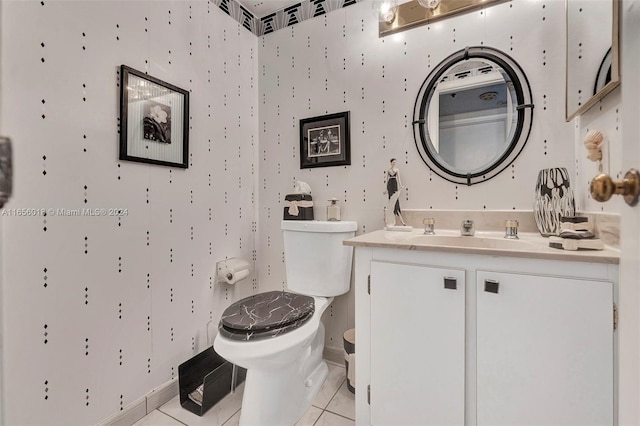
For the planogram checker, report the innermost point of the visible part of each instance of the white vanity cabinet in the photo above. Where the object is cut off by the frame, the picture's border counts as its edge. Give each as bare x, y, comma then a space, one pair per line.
544, 350
519, 341
434, 315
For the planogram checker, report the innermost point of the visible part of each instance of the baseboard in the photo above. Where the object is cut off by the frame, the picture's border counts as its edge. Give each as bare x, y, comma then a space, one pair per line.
334, 355
144, 405
129, 415
162, 394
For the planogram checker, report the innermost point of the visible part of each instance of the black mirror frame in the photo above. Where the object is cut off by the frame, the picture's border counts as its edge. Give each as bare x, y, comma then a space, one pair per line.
524, 110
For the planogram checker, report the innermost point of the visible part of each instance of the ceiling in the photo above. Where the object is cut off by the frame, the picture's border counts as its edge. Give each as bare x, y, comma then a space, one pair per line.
260, 8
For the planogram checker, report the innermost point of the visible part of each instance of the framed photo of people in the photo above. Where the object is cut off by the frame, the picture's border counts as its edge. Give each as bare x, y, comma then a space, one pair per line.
154, 120
324, 141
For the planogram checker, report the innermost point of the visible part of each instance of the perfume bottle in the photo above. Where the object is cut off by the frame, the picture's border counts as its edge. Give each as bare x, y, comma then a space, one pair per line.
333, 210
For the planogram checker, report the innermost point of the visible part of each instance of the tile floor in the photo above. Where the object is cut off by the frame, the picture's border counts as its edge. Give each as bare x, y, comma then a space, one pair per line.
334, 406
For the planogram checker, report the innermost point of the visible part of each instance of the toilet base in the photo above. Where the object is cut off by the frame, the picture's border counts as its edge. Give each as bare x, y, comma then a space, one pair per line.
281, 397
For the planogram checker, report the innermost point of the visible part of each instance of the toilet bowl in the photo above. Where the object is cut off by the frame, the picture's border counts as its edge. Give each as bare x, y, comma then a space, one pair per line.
278, 336
284, 373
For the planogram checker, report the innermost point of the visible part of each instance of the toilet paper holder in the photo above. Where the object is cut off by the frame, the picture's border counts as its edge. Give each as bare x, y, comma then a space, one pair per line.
232, 270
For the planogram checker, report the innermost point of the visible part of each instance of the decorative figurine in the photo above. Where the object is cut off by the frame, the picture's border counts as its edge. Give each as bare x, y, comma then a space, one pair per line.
392, 211
593, 142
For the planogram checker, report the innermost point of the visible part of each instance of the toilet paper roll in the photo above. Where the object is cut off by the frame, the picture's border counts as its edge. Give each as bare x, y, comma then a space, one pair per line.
234, 277
233, 270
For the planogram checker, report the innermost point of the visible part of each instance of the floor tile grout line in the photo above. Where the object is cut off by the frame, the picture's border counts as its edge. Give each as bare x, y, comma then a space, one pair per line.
169, 415
329, 403
341, 415
236, 412
334, 395
330, 399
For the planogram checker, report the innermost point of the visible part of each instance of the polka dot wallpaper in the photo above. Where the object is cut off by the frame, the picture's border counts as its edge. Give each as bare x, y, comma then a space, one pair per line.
99, 309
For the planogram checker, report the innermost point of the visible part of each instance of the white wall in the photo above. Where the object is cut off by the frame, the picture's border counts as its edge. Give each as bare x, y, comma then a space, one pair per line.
247, 97
337, 63
100, 310
605, 116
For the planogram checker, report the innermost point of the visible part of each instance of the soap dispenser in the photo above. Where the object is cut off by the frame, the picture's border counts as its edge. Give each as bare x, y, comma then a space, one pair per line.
333, 210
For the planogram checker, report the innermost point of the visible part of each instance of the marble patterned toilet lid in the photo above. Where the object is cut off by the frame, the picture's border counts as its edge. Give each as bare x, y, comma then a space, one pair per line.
266, 315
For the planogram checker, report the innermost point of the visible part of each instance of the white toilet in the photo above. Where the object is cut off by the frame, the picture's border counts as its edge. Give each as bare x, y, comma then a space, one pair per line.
278, 336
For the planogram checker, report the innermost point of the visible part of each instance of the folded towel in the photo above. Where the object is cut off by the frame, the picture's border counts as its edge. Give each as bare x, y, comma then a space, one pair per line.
586, 226
569, 244
293, 206
576, 235
574, 219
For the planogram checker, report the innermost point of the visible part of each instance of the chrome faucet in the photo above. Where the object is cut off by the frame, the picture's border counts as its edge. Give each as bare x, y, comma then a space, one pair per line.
429, 225
467, 228
511, 229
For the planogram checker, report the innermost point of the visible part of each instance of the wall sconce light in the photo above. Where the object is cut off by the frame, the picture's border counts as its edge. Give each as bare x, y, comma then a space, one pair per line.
414, 13
385, 10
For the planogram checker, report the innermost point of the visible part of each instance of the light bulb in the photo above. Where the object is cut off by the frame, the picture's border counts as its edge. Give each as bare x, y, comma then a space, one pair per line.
385, 10
429, 4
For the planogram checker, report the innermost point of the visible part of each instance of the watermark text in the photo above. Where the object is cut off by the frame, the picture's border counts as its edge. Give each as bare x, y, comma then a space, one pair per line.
83, 212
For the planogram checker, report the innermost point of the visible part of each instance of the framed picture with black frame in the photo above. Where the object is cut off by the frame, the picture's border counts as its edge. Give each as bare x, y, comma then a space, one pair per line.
154, 120
325, 141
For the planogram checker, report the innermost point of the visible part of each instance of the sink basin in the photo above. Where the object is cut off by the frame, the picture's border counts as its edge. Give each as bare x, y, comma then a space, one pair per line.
474, 242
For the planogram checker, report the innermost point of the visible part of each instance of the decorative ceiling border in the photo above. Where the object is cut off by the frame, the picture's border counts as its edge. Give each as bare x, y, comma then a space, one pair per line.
305, 9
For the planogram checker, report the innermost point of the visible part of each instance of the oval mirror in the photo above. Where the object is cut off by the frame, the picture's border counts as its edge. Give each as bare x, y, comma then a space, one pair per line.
472, 115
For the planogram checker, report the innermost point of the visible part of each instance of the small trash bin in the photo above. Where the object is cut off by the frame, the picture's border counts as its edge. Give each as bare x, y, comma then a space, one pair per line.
205, 379
349, 339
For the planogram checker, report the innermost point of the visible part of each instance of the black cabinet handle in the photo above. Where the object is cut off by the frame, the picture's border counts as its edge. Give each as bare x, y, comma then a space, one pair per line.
491, 286
450, 283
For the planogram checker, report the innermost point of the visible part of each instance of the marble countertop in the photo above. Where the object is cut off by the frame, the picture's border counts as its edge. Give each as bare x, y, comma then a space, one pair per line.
529, 245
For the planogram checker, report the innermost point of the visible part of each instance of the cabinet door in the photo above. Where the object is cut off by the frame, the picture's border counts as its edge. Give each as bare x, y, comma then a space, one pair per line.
544, 350
417, 345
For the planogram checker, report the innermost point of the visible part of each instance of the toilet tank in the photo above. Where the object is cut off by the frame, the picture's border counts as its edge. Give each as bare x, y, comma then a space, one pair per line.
316, 261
